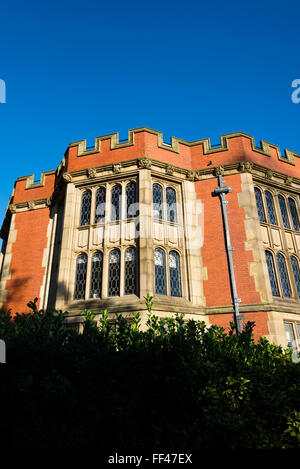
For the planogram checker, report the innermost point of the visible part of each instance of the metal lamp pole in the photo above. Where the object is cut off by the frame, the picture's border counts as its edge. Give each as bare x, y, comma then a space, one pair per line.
221, 191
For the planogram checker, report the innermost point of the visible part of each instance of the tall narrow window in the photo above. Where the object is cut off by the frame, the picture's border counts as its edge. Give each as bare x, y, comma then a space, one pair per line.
272, 274
85, 213
100, 205
157, 202
271, 208
131, 200
294, 214
160, 272
114, 273
174, 265
260, 205
284, 278
96, 275
130, 271
283, 210
80, 278
290, 336
171, 204
116, 203
296, 272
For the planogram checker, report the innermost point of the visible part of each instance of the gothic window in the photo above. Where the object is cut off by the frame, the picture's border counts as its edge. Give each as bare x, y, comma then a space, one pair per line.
260, 205
85, 214
116, 202
294, 214
174, 265
283, 210
296, 272
114, 273
285, 283
157, 202
171, 204
100, 205
271, 208
130, 271
80, 279
131, 200
272, 274
160, 272
96, 275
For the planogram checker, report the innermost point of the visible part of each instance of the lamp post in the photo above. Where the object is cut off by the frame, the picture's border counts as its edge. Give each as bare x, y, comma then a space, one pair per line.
221, 191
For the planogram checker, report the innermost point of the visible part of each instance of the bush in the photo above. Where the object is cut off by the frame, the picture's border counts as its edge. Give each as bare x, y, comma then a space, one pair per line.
175, 385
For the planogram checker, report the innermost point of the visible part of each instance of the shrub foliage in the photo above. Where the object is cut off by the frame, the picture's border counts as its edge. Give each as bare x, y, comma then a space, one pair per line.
176, 384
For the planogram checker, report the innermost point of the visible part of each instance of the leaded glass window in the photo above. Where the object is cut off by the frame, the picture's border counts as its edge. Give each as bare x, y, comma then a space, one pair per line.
284, 278
283, 210
80, 278
260, 205
160, 272
130, 271
294, 214
171, 204
85, 213
157, 202
100, 205
131, 200
116, 202
272, 274
296, 272
174, 266
271, 208
96, 275
114, 273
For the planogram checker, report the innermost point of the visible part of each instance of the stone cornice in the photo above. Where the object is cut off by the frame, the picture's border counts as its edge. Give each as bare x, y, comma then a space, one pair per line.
161, 169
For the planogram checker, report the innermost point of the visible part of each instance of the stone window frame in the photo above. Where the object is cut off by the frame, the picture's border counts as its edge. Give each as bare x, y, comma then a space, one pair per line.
286, 194
167, 251
181, 250
290, 274
295, 348
107, 184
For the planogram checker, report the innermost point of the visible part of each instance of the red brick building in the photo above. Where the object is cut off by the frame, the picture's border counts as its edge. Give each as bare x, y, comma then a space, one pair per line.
123, 219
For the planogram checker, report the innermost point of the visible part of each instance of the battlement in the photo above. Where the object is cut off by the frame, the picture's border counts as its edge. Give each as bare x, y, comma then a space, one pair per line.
145, 142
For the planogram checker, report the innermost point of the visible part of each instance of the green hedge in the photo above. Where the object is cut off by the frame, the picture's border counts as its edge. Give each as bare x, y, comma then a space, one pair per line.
176, 385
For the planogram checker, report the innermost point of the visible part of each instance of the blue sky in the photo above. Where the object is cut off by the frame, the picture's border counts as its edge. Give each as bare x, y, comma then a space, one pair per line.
79, 69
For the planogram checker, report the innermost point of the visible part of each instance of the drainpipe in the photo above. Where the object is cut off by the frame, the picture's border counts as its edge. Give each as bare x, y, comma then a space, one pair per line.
221, 191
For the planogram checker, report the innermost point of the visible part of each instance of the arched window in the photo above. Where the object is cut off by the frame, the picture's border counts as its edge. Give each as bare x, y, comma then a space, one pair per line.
296, 272
157, 202
100, 205
114, 273
80, 278
174, 266
283, 210
160, 272
260, 205
131, 200
284, 278
130, 271
96, 275
116, 203
171, 204
294, 214
85, 213
271, 208
272, 274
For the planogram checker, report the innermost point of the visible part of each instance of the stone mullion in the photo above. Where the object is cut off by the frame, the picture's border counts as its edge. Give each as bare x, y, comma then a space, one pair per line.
106, 247
146, 264
66, 256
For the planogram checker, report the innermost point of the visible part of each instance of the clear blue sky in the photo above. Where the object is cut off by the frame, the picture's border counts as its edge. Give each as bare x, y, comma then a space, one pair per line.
78, 69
